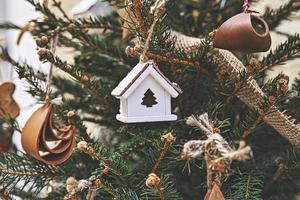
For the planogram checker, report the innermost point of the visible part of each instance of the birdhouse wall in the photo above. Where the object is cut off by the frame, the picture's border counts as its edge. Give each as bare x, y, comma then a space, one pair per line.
157, 98
123, 107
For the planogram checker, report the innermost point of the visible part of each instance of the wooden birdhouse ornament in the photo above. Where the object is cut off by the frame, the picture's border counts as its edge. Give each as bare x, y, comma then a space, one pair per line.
145, 95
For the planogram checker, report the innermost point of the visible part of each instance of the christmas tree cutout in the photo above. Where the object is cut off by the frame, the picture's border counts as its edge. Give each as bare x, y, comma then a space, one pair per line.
149, 99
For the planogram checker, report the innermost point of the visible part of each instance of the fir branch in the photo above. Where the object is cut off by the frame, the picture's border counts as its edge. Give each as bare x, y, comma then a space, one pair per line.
99, 153
248, 187
137, 8
275, 89
35, 79
273, 17
126, 194
106, 188
162, 189
105, 23
15, 169
9, 26
282, 53
167, 139
58, 5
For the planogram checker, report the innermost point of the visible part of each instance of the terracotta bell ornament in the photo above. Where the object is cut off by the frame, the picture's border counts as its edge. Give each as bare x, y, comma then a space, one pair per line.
44, 141
245, 32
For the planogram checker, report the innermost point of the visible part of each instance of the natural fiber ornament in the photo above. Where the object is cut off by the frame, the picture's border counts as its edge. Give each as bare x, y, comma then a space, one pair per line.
216, 151
39, 131
243, 32
8, 106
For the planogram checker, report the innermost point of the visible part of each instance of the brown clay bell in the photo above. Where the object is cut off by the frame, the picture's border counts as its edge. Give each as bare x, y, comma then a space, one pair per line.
245, 32
44, 141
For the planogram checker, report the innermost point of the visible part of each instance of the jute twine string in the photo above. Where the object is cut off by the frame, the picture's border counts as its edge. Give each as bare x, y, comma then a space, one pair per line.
50, 74
158, 9
216, 151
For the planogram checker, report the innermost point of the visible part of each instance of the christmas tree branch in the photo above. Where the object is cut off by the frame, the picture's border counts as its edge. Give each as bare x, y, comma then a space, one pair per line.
35, 80
7, 172
93, 153
137, 5
282, 53
167, 140
134, 52
106, 188
273, 17
277, 89
58, 5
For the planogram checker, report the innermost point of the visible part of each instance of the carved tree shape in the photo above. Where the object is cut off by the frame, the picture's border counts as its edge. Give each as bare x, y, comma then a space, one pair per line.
149, 99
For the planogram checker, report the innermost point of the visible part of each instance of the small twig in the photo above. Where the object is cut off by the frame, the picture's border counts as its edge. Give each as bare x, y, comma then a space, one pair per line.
135, 147
282, 168
32, 174
160, 192
83, 147
136, 51
248, 131
58, 5
168, 139
137, 6
153, 181
105, 188
158, 11
263, 112
50, 74
277, 61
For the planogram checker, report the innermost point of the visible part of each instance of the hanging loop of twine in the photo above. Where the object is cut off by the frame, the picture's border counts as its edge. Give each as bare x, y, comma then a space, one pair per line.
157, 10
216, 151
246, 7
50, 74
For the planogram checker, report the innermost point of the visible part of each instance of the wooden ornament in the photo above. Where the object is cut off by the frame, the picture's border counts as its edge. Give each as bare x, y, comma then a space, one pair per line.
8, 106
40, 131
145, 95
214, 194
243, 32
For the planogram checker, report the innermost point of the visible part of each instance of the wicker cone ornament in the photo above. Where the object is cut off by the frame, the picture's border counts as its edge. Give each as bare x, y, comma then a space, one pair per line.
8, 106
39, 131
243, 32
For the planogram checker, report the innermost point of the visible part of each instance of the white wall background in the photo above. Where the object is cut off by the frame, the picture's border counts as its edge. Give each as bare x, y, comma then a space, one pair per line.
19, 12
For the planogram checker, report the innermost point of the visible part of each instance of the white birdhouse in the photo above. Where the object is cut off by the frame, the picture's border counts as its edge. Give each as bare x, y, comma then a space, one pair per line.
145, 95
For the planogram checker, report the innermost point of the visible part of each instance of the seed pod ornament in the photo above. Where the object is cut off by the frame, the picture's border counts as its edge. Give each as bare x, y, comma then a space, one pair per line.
246, 32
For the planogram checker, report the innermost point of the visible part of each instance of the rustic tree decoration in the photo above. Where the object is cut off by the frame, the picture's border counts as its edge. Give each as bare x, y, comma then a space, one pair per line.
149, 99
40, 129
244, 32
136, 105
216, 151
8, 106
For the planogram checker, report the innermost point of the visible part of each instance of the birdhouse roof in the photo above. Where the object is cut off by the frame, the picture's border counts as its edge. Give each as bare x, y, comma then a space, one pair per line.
138, 74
